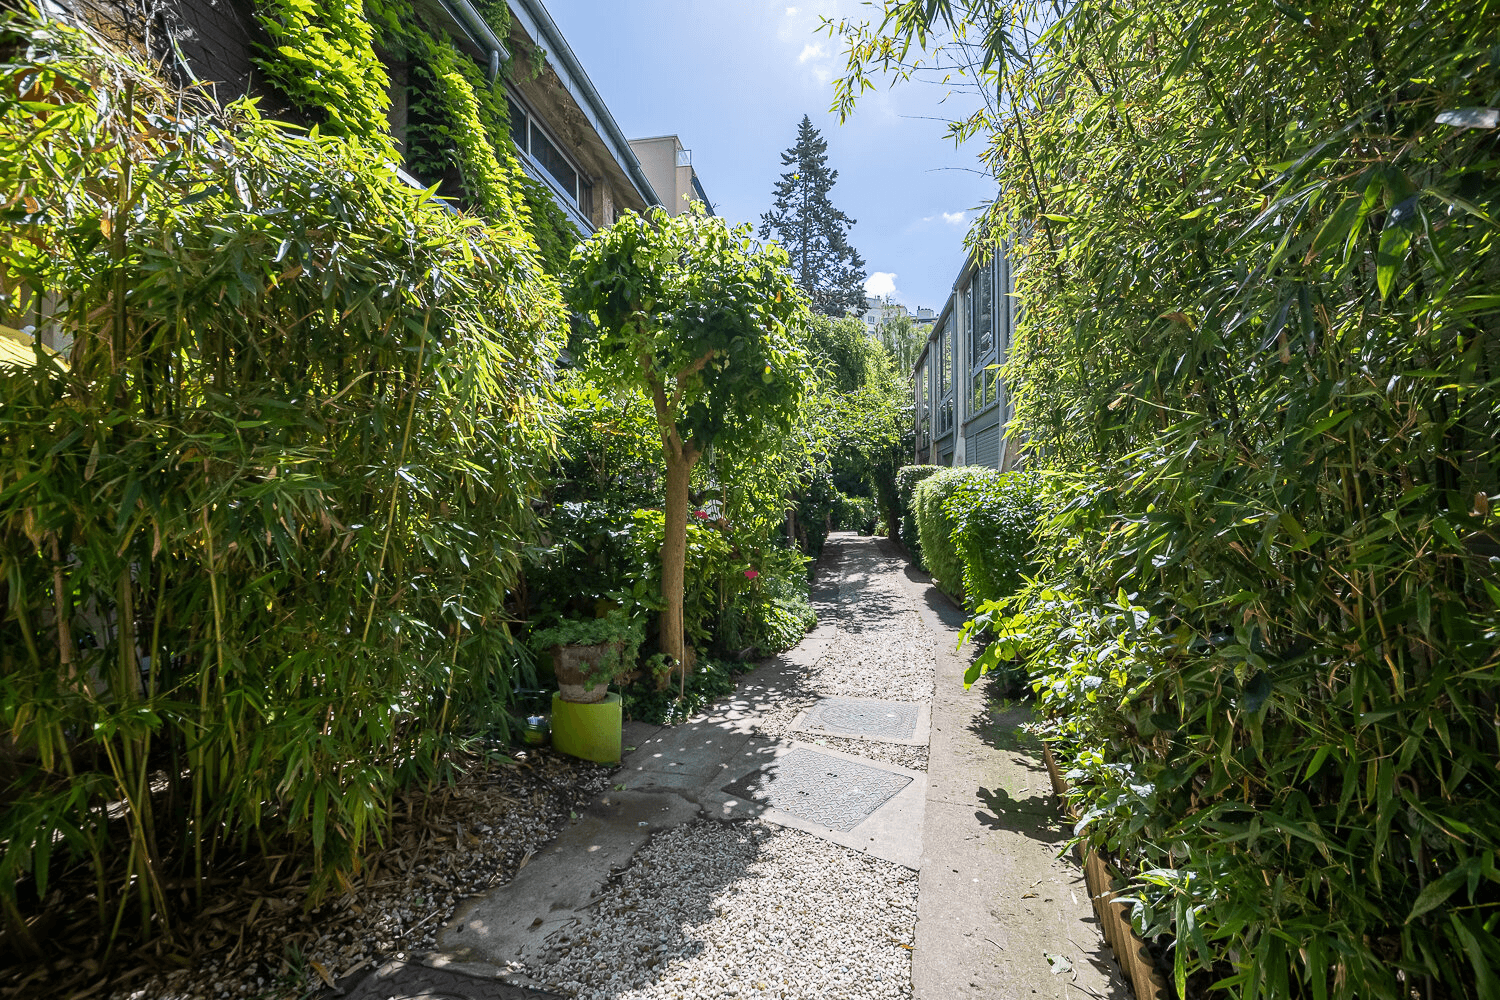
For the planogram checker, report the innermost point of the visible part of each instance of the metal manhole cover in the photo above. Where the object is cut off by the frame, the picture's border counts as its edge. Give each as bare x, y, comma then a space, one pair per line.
830, 791
409, 981
863, 717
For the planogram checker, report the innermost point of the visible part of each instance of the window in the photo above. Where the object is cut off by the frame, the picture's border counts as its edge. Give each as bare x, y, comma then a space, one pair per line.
552, 161
537, 147
983, 340
943, 384
684, 157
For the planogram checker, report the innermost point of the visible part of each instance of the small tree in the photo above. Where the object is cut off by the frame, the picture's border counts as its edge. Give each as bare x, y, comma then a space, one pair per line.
702, 319
815, 234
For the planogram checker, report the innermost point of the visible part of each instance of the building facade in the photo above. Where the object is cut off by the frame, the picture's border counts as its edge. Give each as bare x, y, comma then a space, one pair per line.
962, 406
564, 135
669, 168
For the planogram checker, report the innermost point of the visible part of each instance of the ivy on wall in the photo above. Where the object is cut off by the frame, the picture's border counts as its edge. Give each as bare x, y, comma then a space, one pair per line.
325, 58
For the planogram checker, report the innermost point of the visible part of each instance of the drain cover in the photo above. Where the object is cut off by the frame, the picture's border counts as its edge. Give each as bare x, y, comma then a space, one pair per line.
863, 717
829, 791
409, 981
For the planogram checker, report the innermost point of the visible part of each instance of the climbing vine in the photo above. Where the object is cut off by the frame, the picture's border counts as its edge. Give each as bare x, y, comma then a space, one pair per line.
323, 56
458, 118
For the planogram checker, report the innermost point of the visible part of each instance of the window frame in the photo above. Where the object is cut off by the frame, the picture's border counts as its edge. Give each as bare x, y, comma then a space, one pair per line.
983, 383
581, 199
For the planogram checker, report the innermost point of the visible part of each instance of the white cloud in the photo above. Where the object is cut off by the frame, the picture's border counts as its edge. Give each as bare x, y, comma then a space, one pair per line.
881, 283
812, 52
955, 218
791, 12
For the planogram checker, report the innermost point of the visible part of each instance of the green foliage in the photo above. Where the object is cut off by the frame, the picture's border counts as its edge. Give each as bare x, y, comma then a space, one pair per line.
938, 522
773, 613
259, 536
859, 419
708, 325
620, 627
853, 514
829, 271
907, 479
1259, 262
458, 118
995, 516
323, 58
687, 305
714, 571
903, 339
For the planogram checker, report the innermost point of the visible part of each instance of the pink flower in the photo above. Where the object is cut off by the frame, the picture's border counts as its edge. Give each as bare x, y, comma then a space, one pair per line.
752, 574
700, 513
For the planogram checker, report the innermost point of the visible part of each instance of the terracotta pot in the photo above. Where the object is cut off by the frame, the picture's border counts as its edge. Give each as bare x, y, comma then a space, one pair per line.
573, 664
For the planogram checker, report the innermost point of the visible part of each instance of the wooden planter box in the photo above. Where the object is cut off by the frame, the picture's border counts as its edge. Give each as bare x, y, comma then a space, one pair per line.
1114, 916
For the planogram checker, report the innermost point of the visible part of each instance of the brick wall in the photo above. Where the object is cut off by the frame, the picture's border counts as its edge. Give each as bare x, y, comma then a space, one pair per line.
215, 39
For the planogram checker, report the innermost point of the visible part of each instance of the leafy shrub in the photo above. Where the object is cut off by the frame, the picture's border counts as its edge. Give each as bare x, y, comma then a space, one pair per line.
907, 478
260, 537
995, 517
938, 523
853, 513
774, 612
1280, 625
713, 574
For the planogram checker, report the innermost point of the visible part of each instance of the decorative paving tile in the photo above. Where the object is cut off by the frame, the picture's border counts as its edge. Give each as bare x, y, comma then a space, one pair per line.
863, 717
830, 791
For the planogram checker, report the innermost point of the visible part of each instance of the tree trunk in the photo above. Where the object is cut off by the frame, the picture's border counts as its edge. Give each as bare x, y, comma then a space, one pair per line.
680, 463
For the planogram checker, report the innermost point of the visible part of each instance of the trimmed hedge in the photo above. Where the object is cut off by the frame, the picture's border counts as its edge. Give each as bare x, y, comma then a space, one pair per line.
937, 524
996, 515
976, 526
907, 478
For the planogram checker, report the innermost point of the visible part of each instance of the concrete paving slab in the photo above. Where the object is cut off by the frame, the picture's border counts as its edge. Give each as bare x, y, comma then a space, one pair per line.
397, 980
512, 923
994, 898
893, 832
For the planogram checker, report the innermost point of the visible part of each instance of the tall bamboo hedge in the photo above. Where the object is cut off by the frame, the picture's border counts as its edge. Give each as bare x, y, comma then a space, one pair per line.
1259, 354
258, 519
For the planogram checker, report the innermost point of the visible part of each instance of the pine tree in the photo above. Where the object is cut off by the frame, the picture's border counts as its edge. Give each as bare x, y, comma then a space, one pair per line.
804, 221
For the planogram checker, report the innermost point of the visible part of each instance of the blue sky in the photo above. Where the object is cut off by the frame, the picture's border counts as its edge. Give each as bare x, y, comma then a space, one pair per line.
733, 78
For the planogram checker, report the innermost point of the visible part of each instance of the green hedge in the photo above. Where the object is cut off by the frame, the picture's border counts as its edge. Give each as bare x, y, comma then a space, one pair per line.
907, 478
936, 525
995, 515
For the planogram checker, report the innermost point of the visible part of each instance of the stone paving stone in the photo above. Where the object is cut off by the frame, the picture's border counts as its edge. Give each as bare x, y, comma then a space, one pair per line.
410, 981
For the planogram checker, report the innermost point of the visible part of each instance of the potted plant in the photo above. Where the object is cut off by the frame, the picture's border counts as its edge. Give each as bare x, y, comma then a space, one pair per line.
588, 653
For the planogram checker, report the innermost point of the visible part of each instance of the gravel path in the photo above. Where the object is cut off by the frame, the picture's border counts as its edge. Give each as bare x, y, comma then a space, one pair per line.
713, 910
741, 910
449, 846
875, 647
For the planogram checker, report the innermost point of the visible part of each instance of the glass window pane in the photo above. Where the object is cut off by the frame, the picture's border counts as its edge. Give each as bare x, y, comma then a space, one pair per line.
518, 128
984, 313
946, 376
552, 161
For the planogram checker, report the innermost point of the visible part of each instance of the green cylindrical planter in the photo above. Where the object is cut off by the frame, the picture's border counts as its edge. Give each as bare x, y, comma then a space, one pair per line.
590, 731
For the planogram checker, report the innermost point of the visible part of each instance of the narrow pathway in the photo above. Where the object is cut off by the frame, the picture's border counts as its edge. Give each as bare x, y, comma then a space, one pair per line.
771, 847
999, 913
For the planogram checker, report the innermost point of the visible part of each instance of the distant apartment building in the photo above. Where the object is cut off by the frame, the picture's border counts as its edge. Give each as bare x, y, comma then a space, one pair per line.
669, 168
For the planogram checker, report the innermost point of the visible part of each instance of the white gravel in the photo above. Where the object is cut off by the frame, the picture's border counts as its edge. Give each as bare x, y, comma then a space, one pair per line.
909, 757
873, 645
712, 910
